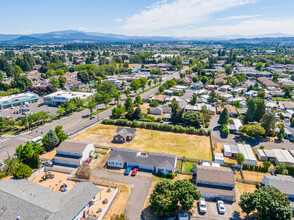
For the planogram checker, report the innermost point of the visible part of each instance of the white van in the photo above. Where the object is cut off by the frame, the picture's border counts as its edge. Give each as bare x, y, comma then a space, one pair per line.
36, 140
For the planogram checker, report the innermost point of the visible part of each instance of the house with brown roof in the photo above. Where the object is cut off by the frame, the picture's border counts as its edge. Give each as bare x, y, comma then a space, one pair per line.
216, 182
267, 82
232, 110
73, 153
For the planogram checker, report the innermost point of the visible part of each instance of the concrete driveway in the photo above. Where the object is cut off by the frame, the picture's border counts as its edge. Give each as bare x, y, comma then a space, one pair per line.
140, 185
212, 212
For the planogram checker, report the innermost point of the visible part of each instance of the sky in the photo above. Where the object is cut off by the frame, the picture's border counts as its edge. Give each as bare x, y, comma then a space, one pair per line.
178, 18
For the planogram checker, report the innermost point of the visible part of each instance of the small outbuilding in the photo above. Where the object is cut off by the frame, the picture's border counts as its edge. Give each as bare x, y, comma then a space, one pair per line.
124, 134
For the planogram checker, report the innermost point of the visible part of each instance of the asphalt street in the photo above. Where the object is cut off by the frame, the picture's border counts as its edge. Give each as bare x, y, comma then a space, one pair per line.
72, 123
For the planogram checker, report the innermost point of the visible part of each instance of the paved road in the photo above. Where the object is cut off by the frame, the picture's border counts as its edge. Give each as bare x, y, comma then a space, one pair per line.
73, 123
140, 185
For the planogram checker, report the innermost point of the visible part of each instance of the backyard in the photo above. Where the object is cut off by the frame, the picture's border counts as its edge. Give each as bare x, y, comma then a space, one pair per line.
190, 146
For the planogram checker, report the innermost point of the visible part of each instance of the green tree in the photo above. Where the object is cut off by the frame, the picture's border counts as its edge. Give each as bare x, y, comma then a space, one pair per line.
107, 99
240, 158
268, 122
22, 171
261, 93
267, 164
212, 97
91, 105
193, 118
281, 169
135, 85
281, 134
60, 133
127, 92
177, 113
260, 109
154, 104
268, 202
250, 114
118, 111
254, 130
138, 100
194, 99
61, 110
129, 103
259, 66
54, 82
224, 131
137, 113
50, 140
292, 121
224, 117
62, 81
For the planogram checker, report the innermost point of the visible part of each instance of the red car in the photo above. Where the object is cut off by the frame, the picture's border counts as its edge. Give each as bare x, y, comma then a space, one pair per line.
135, 171
87, 162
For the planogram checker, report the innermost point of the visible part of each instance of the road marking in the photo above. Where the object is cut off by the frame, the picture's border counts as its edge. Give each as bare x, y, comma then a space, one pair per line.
4, 140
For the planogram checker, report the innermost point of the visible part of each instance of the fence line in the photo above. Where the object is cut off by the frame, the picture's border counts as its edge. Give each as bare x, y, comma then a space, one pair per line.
247, 181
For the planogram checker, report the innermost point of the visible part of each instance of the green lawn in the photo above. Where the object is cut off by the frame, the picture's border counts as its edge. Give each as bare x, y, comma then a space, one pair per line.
188, 165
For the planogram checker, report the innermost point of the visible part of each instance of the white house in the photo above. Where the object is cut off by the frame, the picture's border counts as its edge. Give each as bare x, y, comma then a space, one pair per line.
245, 149
156, 111
73, 153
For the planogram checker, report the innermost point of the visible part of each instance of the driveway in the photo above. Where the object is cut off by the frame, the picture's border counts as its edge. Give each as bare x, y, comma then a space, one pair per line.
140, 185
212, 212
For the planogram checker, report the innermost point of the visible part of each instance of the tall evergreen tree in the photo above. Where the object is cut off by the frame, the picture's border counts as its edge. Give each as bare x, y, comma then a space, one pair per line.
224, 117
260, 109
268, 122
194, 99
250, 114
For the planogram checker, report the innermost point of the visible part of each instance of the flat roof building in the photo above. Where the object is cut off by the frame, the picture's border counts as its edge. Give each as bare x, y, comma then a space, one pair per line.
60, 97
276, 156
245, 149
18, 99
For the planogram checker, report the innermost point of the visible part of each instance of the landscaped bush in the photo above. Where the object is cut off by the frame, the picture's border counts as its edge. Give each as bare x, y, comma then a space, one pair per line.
83, 172
290, 170
170, 175
255, 168
22, 171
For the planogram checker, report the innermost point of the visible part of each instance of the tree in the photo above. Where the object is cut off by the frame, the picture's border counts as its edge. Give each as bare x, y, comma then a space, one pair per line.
212, 97
268, 202
281, 134
61, 110
135, 85
127, 92
292, 120
224, 131
234, 81
137, 113
267, 164
228, 69
118, 111
83, 172
268, 122
193, 118
259, 66
154, 103
281, 169
177, 113
91, 106
250, 114
138, 100
224, 117
240, 158
107, 99
194, 99
62, 81
50, 140
166, 196
260, 109
22, 171
129, 103
254, 130
54, 82
60, 133
261, 93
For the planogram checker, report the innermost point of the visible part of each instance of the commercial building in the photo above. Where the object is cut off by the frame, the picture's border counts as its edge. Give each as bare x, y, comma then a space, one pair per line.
60, 97
73, 153
22, 199
245, 149
154, 162
18, 99
276, 156
216, 182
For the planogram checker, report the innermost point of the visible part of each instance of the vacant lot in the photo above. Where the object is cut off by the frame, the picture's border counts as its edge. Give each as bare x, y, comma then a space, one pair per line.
251, 175
190, 146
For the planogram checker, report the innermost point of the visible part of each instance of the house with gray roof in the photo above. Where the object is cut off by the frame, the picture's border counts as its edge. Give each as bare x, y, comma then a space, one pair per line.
73, 153
283, 183
124, 134
28, 200
121, 158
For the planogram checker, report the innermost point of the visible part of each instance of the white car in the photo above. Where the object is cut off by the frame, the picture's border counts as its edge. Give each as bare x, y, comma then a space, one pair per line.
202, 206
221, 207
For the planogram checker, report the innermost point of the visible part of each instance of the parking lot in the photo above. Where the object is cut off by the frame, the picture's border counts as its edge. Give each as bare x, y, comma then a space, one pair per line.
212, 211
33, 108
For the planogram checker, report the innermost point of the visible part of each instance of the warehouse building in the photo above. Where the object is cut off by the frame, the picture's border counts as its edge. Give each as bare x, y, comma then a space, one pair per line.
60, 97
18, 99
276, 156
245, 149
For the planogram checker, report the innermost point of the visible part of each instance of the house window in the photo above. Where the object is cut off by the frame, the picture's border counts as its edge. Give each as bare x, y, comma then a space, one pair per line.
118, 163
110, 162
169, 171
161, 170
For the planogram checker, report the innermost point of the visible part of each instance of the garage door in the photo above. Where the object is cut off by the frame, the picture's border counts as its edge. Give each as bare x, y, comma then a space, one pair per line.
147, 167
133, 165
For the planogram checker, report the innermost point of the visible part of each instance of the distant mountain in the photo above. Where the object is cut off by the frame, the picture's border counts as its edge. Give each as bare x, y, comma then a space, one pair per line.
73, 36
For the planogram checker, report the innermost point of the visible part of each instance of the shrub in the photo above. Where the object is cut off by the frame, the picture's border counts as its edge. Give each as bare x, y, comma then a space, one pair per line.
154, 104
159, 174
170, 175
261, 147
22, 171
83, 172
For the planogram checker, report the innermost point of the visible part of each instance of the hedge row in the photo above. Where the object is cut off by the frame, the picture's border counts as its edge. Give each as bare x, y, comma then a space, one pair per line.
290, 170
255, 168
156, 126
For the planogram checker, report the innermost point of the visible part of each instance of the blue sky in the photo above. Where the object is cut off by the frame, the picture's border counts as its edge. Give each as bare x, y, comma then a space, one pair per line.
192, 18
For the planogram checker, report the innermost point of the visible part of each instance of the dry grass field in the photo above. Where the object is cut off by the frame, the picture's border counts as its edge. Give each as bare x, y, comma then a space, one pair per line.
190, 146
251, 175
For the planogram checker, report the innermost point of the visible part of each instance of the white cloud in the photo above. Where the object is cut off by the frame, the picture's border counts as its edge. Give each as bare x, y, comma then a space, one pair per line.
246, 28
178, 13
117, 20
83, 28
238, 17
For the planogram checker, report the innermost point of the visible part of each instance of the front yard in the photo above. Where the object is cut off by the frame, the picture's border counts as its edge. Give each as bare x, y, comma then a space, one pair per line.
190, 146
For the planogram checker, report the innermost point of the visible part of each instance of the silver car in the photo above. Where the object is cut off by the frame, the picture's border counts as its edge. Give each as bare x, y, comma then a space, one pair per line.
221, 207
202, 206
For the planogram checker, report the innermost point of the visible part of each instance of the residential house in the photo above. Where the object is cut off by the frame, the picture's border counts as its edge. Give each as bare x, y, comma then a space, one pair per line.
154, 162
156, 110
124, 134
73, 153
232, 110
285, 184
245, 149
275, 156
235, 127
216, 182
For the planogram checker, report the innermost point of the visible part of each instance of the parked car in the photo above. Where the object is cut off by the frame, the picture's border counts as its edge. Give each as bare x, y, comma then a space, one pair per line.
128, 170
19, 118
135, 171
221, 207
40, 104
85, 116
92, 117
69, 133
12, 107
88, 161
202, 206
183, 216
